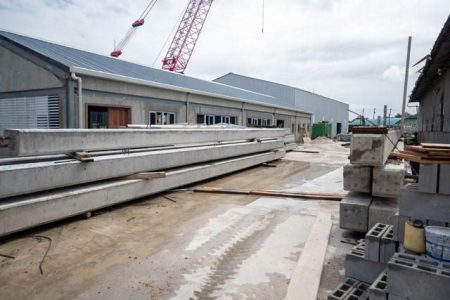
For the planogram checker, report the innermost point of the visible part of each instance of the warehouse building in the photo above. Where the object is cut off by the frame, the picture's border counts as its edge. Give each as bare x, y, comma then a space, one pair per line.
323, 109
432, 91
46, 85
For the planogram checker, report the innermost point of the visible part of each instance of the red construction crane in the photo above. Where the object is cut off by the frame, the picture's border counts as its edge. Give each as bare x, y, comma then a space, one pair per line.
134, 26
186, 36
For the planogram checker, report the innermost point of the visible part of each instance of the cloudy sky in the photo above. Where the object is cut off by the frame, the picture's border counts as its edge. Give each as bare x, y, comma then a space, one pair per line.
350, 50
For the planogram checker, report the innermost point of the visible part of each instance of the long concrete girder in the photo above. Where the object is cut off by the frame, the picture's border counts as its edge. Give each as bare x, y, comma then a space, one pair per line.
27, 142
33, 177
22, 212
373, 149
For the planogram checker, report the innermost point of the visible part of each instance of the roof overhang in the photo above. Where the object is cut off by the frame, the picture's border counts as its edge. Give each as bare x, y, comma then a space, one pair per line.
154, 84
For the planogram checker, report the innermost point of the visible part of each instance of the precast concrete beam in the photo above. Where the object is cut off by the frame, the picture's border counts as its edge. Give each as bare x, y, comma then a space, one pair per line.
33, 177
388, 180
354, 211
372, 149
27, 142
383, 210
357, 178
19, 213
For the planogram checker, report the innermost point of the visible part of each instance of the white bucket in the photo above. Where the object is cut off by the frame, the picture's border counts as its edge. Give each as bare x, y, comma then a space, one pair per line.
438, 242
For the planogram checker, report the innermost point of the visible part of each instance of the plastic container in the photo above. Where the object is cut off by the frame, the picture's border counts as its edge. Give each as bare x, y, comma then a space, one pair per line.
414, 239
438, 243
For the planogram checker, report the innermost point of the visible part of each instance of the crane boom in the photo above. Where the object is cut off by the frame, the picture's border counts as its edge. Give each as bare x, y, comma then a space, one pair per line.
186, 36
134, 27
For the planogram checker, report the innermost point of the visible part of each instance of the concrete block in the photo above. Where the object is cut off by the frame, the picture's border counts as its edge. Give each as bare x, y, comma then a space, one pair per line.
55, 174
357, 267
383, 210
354, 211
388, 180
424, 206
26, 142
358, 292
399, 228
372, 149
413, 277
377, 291
24, 212
357, 178
436, 223
444, 175
343, 289
428, 178
387, 245
394, 297
373, 242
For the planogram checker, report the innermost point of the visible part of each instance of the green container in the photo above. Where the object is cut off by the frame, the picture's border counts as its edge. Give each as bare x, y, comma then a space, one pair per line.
321, 129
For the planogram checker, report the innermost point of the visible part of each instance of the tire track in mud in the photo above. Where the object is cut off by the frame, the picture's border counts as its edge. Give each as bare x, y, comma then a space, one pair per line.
225, 266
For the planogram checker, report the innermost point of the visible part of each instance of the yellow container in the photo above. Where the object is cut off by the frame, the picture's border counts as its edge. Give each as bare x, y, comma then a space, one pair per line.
414, 239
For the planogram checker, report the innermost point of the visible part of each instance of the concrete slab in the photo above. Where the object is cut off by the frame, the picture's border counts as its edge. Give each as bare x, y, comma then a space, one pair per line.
413, 277
383, 210
25, 142
372, 149
55, 174
388, 180
424, 206
23, 212
354, 212
357, 178
428, 178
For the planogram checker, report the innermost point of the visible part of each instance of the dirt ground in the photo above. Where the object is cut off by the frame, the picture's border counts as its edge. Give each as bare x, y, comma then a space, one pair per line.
186, 245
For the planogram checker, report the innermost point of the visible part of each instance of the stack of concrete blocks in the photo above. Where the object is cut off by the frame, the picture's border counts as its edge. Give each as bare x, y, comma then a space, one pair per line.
358, 267
415, 278
427, 201
374, 184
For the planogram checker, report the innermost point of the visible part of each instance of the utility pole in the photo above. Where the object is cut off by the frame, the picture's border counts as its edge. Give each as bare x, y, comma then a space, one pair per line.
363, 119
390, 110
405, 88
374, 111
384, 115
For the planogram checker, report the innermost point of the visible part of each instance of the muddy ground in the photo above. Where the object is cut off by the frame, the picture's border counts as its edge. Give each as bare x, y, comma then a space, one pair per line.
186, 245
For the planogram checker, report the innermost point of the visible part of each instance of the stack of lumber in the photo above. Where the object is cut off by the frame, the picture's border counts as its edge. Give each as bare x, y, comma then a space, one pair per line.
426, 153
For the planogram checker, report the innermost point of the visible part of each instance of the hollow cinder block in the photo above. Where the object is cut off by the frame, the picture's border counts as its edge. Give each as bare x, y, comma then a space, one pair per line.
358, 292
414, 277
357, 267
399, 228
424, 206
428, 178
387, 245
354, 211
373, 241
377, 291
343, 289
357, 178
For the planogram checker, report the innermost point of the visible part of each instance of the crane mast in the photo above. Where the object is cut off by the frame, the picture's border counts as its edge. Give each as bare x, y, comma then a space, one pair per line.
186, 36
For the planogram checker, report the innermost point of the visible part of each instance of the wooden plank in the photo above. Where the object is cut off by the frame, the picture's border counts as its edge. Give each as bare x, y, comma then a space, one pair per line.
305, 151
435, 145
305, 280
419, 159
271, 193
145, 175
370, 130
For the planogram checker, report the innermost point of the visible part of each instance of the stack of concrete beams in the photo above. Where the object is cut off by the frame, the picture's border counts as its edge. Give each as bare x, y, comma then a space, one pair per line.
374, 184
427, 201
41, 182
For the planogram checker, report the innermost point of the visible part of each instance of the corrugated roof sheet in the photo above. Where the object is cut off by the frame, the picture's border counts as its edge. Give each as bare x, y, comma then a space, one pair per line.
71, 57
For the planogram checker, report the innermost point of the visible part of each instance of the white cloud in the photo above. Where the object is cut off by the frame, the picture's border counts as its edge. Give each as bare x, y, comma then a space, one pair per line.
394, 73
344, 49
